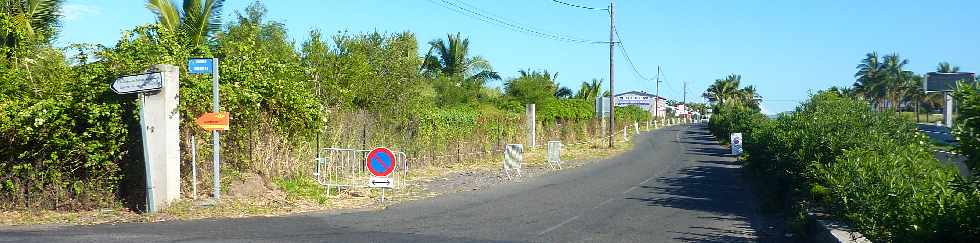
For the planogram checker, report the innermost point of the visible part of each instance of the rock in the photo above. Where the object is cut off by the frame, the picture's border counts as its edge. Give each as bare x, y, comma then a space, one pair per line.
251, 186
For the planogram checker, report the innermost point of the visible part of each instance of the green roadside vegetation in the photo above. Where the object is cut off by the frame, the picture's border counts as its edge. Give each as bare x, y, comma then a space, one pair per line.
68, 144
872, 170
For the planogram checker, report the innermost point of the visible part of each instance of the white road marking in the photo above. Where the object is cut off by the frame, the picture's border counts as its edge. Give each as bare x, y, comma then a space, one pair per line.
645, 182
631, 189
604, 202
558, 225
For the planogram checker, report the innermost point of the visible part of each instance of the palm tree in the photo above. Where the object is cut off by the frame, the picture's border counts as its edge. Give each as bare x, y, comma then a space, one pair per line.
26, 21
895, 76
749, 96
869, 78
589, 90
452, 59
199, 21
945, 67
724, 90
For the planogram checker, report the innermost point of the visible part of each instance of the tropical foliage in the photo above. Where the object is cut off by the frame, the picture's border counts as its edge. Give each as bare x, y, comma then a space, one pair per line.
729, 90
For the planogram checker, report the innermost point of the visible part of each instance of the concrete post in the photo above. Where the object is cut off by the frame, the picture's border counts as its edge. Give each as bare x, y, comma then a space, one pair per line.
162, 137
531, 123
948, 111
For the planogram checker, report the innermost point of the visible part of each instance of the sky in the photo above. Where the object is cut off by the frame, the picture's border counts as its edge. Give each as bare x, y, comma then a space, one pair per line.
787, 49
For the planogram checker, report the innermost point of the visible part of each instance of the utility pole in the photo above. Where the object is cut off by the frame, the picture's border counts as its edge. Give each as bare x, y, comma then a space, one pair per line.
685, 94
656, 100
684, 101
612, 72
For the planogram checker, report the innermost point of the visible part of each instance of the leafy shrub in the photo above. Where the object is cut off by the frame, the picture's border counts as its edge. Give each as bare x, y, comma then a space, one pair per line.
897, 194
632, 114
967, 129
871, 169
728, 118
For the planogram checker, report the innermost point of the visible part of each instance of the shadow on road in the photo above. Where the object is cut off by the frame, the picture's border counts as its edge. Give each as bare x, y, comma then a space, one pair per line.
712, 186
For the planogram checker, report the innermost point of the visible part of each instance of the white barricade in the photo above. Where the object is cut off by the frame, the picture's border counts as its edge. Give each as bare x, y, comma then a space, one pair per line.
554, 154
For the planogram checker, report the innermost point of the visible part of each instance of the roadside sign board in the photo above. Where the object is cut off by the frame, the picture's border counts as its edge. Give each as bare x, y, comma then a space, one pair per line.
381, 162
382, 182
200, 66
214, 121
736, 144
941, 82
138, 83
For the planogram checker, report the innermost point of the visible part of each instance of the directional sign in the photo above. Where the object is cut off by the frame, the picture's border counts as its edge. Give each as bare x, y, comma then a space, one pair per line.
381, 162
214, 121
138, 83
383, 182
200, 66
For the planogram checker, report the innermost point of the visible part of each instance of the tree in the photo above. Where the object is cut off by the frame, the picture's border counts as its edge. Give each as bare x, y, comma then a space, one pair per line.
452, 59
945, 67
23, 22
197, 20
870, 81
563, 93
895, 76
532, 87
727, 91
589, 90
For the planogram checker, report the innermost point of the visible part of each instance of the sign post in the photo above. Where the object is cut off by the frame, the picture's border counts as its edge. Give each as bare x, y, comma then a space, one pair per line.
381, 163
210, 66
158, 94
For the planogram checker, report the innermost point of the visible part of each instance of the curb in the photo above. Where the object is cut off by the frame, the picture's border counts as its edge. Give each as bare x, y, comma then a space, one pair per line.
829, 231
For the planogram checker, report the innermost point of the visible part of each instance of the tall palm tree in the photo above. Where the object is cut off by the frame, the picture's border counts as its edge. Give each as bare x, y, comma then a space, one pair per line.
452, 59
24, 21
895, 76
869, 78
945, 67
198, 20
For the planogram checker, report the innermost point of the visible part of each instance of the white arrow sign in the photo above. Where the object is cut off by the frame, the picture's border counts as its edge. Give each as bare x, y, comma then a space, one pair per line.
138, 83
377, 181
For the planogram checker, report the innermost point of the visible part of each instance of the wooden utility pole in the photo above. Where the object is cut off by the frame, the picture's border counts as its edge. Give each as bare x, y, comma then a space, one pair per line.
612, 71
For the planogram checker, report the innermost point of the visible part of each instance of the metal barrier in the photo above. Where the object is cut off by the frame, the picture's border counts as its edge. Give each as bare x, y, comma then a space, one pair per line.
554, 154
344, 168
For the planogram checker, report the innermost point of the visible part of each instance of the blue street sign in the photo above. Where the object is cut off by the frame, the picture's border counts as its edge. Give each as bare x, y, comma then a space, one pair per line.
200, 66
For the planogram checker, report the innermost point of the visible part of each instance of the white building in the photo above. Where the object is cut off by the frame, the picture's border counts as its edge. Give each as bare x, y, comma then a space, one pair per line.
635, 98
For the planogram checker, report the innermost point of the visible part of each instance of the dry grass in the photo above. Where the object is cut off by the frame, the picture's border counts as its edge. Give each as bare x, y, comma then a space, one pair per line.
283, 202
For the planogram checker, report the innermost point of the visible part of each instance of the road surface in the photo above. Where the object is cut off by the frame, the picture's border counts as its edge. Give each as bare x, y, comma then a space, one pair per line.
676, 184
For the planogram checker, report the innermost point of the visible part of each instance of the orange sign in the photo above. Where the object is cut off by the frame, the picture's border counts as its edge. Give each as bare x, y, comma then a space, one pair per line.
214, 121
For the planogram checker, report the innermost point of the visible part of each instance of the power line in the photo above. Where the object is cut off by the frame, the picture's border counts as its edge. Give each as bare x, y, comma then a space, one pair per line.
474, 12
579, 6
622, 48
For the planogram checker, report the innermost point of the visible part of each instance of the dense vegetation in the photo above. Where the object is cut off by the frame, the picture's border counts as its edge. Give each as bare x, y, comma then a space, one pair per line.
871, 169
67, 142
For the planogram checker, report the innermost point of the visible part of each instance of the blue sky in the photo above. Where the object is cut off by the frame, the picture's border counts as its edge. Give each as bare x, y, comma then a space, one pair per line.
785, 48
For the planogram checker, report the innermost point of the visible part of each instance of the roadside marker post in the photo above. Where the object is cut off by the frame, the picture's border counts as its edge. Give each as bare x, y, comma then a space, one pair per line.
736, 139
381, 163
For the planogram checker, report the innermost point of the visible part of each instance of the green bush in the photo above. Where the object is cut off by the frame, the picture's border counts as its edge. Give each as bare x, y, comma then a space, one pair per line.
967, 129
632, 114
871, 169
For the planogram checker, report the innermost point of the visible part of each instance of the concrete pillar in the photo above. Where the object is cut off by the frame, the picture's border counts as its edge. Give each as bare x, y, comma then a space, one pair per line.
162, 121
531, 123
948, 111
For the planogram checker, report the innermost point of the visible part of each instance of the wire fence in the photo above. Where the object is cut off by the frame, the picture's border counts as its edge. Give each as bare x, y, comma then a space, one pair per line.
342, 168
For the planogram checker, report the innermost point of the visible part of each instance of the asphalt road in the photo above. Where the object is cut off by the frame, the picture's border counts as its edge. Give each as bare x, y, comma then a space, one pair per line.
675, 185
